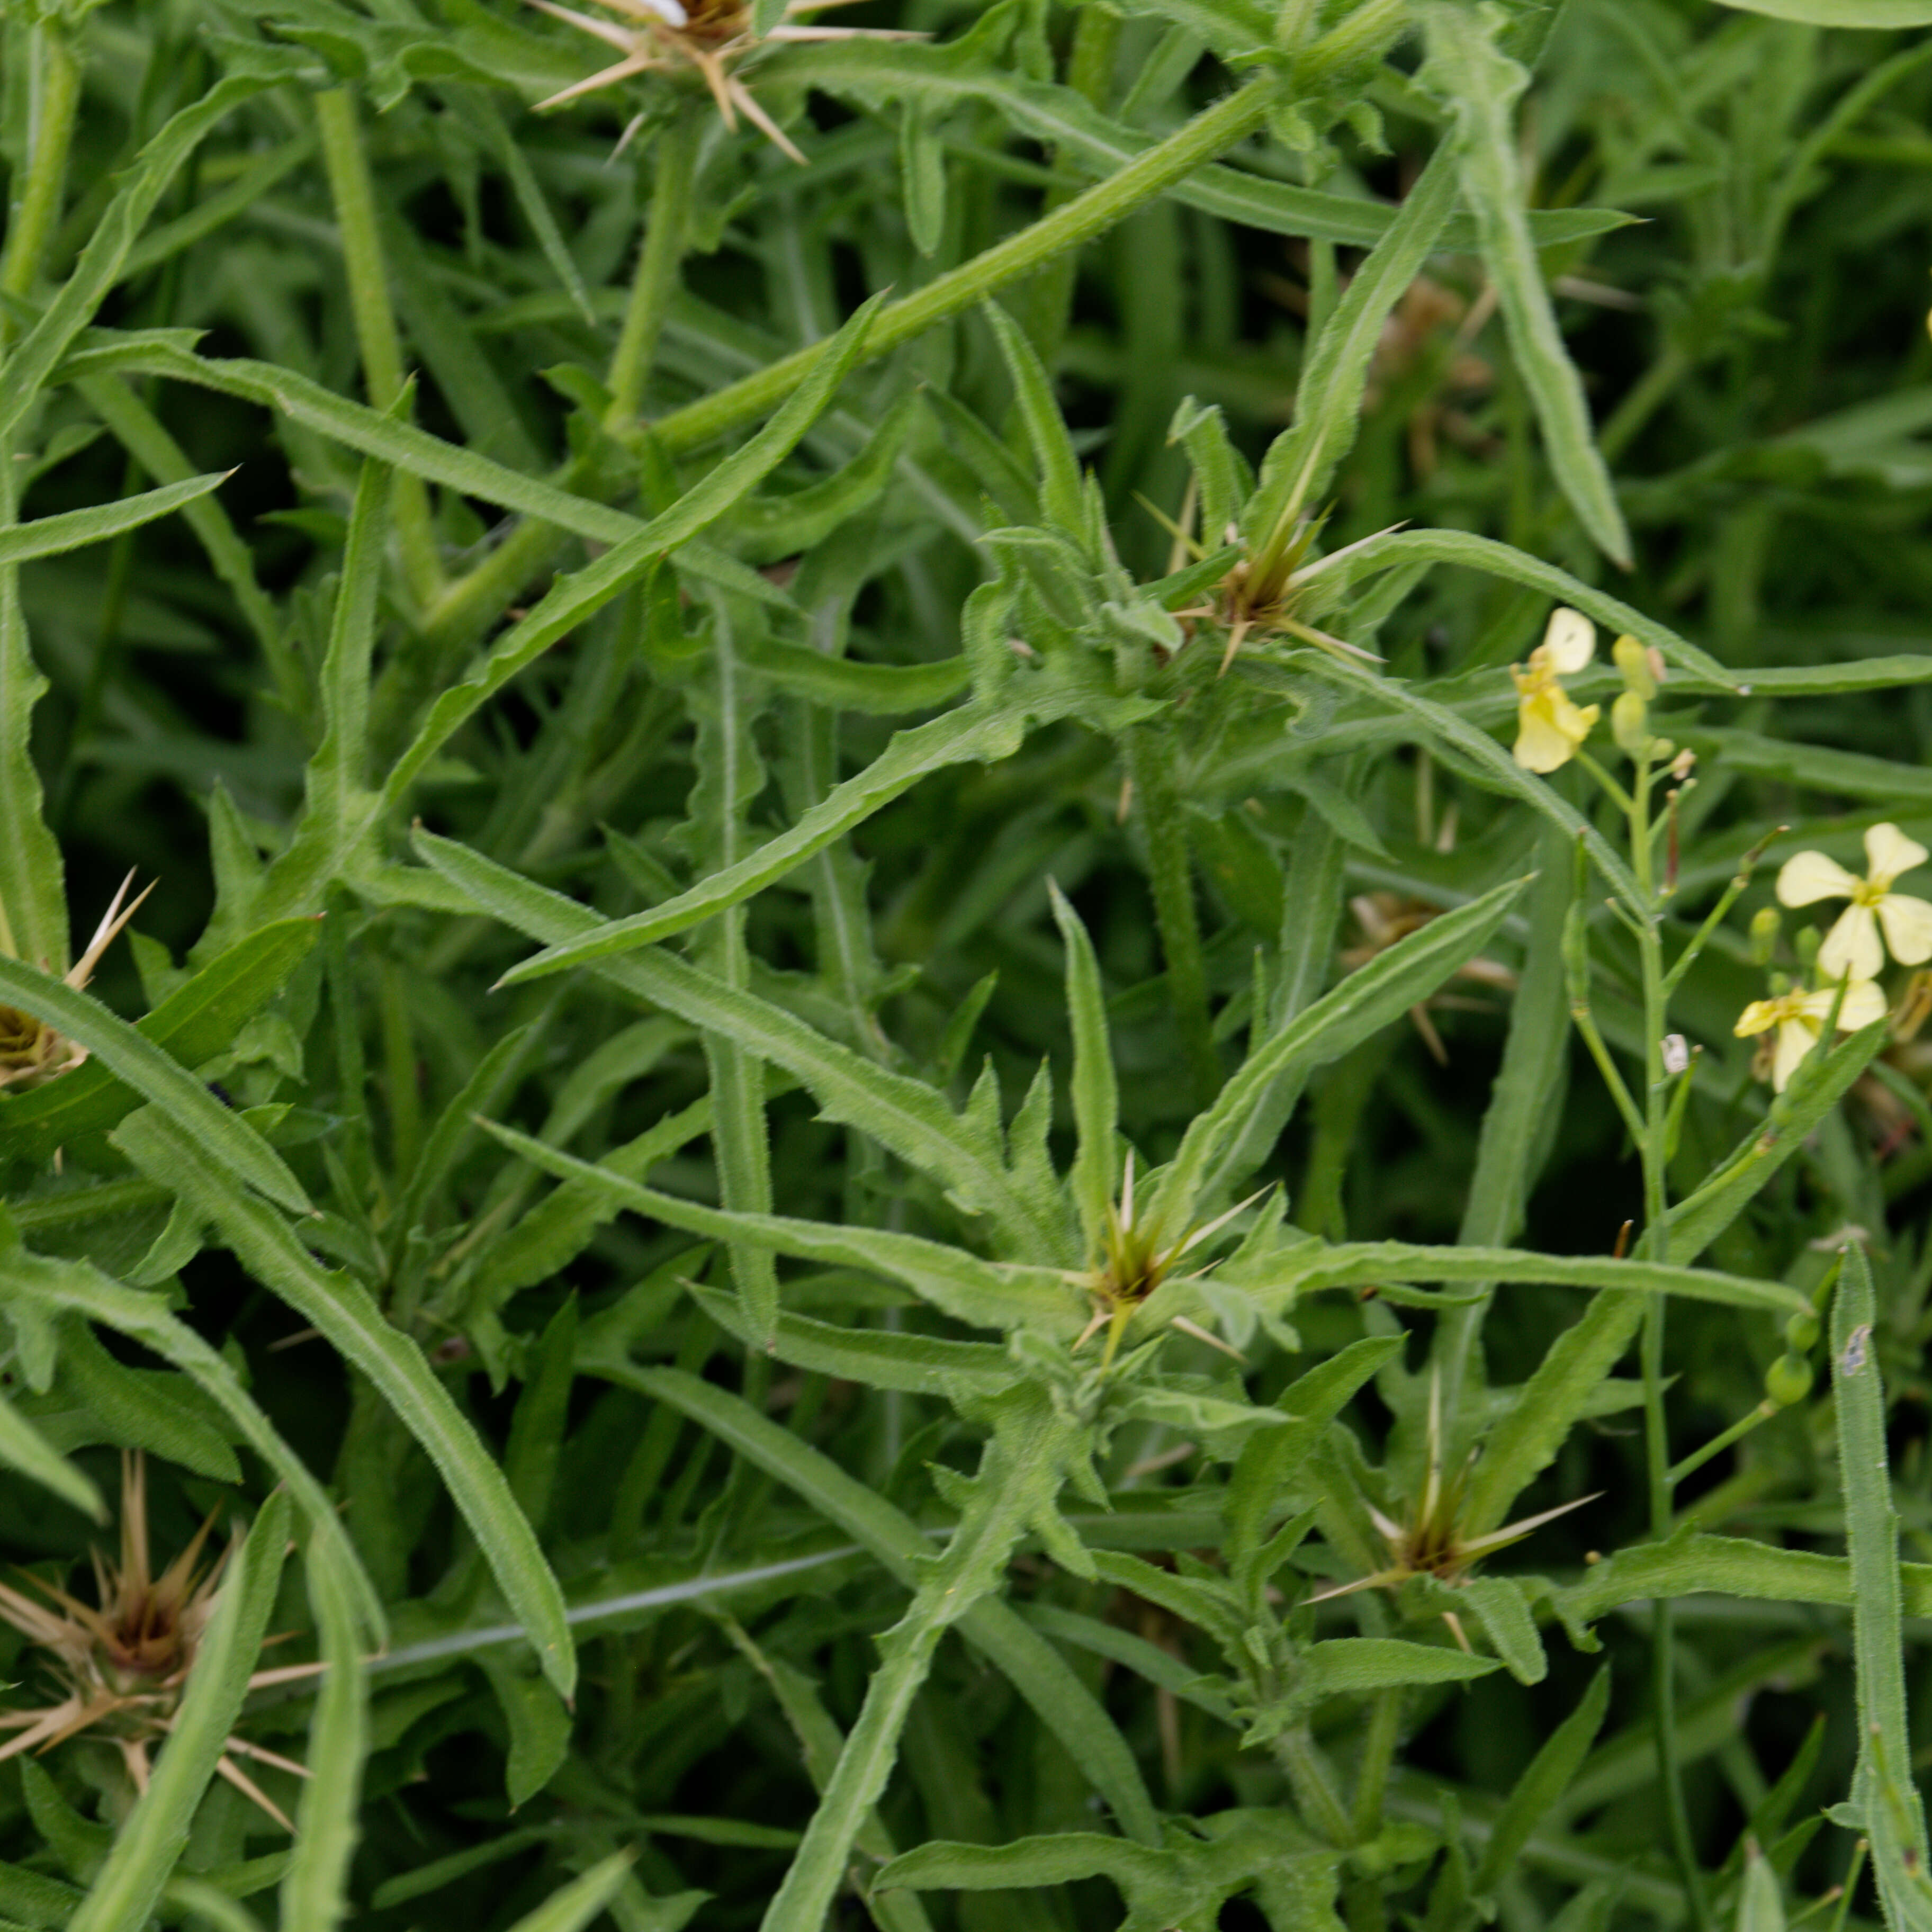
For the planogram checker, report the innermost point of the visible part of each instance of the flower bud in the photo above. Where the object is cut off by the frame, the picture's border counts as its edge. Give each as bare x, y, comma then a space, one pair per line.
1808, 941
1764, 926
1800, 1334
1788, 1380
1641, 676
1628, 723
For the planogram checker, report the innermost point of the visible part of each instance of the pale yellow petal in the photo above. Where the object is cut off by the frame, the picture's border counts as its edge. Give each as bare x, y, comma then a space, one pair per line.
1758, 1017
1574, 721
1864, 1002
1891, 853
1852, 948
1541, 746
1808, 876
1908, 927
1795, 1038
1569, 642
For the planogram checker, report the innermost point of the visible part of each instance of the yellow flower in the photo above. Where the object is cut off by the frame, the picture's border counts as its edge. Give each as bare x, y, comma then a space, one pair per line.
1549, 727
1800, 1017
1852, 946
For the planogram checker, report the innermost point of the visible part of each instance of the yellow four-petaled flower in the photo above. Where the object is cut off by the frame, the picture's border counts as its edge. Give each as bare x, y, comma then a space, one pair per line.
1550, 726
1852, 946
1800, 1018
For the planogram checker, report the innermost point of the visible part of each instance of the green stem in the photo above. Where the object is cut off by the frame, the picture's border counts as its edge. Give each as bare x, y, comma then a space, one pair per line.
1371, 1775
376, 339
1718, 1444
656, 278
1002, 1500
1656, 1441
1210, 134
53, 96
1170, 873
1316, 1797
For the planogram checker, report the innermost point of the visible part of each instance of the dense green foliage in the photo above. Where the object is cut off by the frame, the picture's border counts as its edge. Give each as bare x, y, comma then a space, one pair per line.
912, 1154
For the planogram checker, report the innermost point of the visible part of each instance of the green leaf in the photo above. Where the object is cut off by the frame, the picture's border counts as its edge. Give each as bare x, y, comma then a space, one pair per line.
143, 436
974, 734
959, 1283
1065, 1705
1328, 397
33, 905
537, 1427
314, 1893
112, 236
1760, 1900
1096, 1101
1362, 1004
1367, 1264
1699, 670
155, 1834
23, 1449
903, 1115
1516, 1124
1486, 758
573, 598
192, 1024
577, 1904
216, 1132
143, 1410
342, 1309
51, 536
1540, 1788
538, 1722
1354, 1666
1077, 132
878, 1357
1482, 85
80, 1289
1060, 486
1882, 1787
1888, 14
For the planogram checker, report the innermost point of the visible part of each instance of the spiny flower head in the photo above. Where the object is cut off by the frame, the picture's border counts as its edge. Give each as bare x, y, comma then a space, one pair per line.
31, 1052
119, 1666
1852, 946
1549, 725
1435, 1540
1136, 1259
703, 36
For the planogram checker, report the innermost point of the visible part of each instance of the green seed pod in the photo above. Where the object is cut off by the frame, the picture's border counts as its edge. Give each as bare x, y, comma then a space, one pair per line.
1800, 1334
1788, 1380
1764, 928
